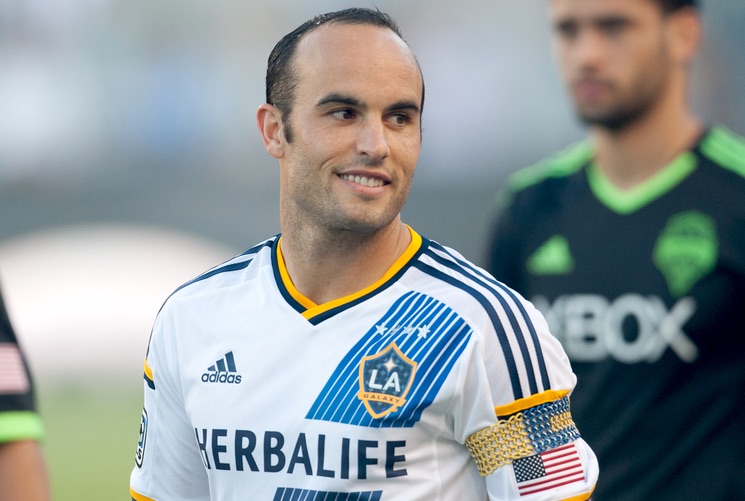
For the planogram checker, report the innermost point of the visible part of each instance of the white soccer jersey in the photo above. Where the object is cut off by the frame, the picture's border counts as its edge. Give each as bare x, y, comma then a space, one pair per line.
435, 383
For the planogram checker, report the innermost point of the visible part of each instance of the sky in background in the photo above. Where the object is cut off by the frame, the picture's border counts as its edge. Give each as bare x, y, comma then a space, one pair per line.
130, 159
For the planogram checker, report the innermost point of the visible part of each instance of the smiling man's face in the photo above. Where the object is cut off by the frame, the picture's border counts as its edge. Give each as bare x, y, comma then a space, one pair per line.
356, 125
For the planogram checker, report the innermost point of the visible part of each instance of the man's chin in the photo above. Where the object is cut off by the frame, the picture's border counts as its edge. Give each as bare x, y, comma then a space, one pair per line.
611, 122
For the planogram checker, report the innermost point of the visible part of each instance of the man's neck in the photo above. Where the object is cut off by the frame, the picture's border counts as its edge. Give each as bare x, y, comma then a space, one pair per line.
630, 156
327, 267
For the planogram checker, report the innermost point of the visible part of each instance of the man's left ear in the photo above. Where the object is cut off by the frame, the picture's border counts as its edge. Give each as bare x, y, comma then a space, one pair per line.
269, 121
686, 32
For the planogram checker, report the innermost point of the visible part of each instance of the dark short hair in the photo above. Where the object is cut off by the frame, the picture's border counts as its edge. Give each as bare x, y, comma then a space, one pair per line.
673, 5
281, 78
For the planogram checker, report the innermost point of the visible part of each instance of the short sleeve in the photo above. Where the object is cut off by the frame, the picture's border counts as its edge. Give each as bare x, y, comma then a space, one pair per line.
530, 449
168, 464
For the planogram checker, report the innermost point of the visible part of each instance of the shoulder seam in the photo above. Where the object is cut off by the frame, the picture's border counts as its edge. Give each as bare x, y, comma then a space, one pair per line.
236, 263
725, 148
560, 164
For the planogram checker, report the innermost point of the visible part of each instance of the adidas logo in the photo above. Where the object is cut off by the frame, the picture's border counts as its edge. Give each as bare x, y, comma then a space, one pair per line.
223, 371
551, 258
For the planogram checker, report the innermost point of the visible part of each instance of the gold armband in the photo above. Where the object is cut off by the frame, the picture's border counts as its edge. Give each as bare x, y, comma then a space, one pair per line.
522, 434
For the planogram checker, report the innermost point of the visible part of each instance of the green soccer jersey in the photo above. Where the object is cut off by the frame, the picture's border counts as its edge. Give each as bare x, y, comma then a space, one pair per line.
646, 291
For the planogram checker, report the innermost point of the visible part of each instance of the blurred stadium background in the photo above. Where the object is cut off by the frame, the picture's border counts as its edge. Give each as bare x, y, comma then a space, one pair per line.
130, 162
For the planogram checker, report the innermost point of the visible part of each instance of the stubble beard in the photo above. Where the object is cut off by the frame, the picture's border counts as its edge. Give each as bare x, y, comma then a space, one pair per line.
365, 221
632, 105
334, 225
620, 116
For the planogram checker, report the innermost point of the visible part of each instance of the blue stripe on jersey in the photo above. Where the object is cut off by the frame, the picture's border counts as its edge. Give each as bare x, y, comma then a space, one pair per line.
230, 265
427, 332
495, 320
485, 278
492, 284
501, 334
227, 266
293, 494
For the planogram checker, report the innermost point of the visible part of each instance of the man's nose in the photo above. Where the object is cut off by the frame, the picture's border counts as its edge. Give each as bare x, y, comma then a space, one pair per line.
372, 140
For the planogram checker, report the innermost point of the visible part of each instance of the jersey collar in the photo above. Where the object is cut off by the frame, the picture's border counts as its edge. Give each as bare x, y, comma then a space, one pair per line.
627, 201
315, 313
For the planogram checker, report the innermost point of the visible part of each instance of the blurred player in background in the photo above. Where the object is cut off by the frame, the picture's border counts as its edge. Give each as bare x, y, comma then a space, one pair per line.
350, 357
632, 243
23, 472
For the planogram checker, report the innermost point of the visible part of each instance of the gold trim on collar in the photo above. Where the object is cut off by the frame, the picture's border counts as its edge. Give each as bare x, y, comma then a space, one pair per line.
313, 309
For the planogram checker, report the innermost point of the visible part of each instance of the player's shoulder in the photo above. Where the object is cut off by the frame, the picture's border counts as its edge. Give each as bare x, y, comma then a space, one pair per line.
724, 148
561, 164
235, 270
467, 279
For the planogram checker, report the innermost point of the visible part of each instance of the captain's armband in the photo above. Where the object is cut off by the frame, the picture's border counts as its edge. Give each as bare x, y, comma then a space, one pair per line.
522, 434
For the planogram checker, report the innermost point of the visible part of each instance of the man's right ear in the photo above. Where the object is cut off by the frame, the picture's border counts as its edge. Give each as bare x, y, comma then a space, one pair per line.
269, 121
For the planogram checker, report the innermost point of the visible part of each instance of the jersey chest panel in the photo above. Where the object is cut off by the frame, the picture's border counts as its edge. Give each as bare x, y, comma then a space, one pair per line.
669, 263
352, 401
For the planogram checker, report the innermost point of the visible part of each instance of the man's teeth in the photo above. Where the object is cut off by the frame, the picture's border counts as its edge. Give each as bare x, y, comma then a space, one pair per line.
371, 182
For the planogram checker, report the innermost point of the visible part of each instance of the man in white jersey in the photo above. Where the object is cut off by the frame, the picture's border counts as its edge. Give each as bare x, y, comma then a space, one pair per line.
349, 357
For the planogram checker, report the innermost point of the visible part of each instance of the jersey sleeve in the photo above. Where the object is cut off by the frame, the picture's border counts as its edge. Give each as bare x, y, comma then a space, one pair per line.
19, 419
526, 448
168, 464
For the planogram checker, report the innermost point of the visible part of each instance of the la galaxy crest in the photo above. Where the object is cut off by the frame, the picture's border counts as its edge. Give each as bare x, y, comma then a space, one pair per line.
385, 380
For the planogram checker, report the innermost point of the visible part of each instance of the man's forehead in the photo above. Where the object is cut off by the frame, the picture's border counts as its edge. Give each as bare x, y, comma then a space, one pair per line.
596, 10
343, 57
337, 40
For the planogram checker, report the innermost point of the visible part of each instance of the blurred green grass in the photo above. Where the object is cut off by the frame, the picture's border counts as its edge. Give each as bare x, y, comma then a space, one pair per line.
91, 436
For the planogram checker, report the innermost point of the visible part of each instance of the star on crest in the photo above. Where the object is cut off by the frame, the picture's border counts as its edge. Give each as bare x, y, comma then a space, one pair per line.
423, 331
390, 364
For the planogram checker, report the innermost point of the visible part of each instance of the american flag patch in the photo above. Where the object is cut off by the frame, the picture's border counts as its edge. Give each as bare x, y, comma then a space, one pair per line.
13, 377
548, 470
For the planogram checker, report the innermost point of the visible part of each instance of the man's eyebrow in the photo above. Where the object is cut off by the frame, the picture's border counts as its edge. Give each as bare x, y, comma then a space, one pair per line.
565, 23
405, 105
600, 20
612, 20
356, 103
340, 99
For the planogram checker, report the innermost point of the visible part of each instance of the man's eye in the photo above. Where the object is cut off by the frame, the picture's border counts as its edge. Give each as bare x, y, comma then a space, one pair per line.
400, 119
567, 30
345, 114
614, 26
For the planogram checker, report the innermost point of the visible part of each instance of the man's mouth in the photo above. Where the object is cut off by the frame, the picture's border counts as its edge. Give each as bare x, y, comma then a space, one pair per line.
370, 182
591, 88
